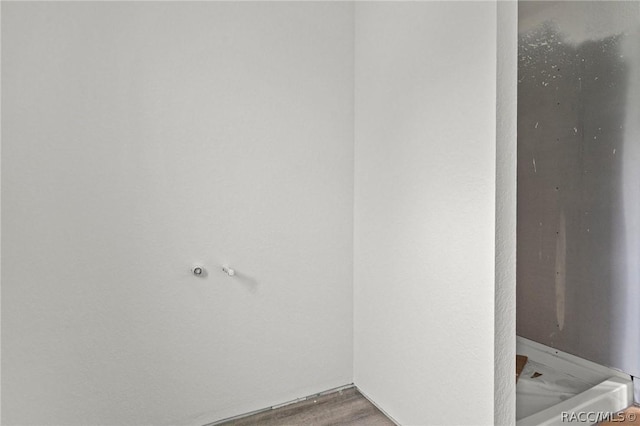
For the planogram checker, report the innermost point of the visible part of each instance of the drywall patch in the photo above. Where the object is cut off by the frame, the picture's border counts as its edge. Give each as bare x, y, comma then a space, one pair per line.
597, 19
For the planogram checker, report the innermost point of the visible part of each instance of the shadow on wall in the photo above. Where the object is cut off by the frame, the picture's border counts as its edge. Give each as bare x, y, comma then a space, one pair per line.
247, 281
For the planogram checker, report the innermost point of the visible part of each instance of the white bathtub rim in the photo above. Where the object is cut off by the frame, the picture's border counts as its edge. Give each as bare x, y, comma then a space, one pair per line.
570, 364
612, 390
610, 396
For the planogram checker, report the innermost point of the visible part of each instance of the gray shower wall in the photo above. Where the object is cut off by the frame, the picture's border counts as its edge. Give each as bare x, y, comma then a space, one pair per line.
578, 269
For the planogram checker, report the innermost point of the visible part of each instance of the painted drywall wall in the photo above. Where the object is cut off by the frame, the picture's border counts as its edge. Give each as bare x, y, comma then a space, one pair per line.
139, 138
506, 160
0, 217
425, 179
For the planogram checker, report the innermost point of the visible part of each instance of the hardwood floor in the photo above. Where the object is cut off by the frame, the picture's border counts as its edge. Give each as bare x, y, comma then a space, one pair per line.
346, 407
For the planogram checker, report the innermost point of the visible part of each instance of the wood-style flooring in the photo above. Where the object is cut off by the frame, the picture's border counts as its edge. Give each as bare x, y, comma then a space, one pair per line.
345, 407
349, 407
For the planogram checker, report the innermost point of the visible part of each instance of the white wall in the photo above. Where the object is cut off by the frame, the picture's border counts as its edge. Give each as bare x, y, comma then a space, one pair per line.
139, 138
504, 342
425, 150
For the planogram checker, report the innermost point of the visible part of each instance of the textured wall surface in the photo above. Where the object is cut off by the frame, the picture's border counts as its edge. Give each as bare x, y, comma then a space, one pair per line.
425, 209
506, 158
578, 174
139, 138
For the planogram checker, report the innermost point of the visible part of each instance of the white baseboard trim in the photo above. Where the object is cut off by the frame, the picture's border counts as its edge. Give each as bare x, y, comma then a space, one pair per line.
377, 406
284, 404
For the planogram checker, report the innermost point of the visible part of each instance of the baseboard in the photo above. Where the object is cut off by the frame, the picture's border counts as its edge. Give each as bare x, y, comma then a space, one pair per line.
284, 404
397, 423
